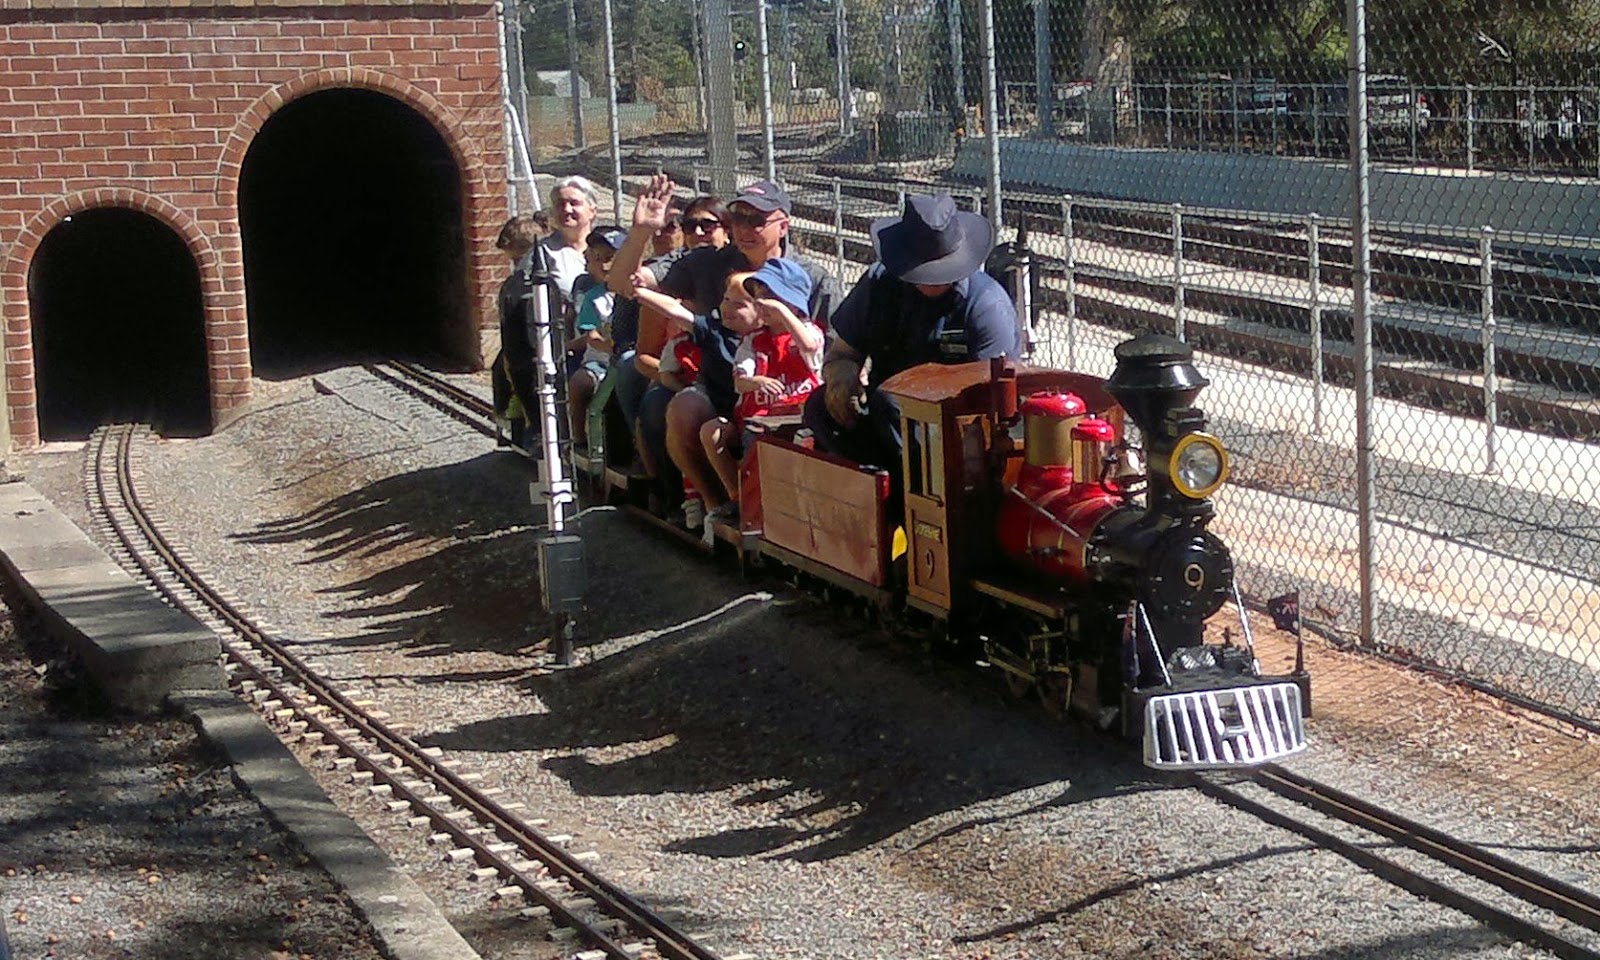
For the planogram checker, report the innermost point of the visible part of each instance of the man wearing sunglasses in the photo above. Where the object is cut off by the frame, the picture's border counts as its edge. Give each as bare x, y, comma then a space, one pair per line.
759, 222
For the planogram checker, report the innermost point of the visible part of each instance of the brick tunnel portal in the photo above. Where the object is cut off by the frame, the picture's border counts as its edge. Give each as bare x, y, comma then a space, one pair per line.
118, 328
354, 246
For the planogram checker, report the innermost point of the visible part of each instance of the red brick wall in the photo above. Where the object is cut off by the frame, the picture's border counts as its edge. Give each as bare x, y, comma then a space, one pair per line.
155, 108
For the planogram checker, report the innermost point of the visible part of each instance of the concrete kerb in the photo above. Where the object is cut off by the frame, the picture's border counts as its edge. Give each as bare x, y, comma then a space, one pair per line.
405, 921
143, 656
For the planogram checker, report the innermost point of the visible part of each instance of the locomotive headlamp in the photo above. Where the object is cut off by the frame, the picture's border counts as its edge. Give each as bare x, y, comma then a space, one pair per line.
1198, 465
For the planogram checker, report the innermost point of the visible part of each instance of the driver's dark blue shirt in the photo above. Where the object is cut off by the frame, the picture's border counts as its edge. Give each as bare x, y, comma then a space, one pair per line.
892, 323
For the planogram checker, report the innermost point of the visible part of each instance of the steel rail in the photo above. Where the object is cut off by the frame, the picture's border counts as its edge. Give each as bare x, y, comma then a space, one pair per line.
1521, 882
120, 505
455, 402
1569, 901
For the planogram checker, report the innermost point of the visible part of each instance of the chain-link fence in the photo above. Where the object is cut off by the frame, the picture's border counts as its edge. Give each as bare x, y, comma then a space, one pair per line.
1408, 385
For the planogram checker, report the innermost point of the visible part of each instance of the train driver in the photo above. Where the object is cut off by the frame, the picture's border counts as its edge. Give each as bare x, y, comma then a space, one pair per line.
926, 300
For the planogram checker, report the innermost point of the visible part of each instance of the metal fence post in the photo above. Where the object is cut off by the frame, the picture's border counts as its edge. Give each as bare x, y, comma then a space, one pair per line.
1314, 262
838, 228
1316, 121
1071, 265
1234, 112
1177, 270
1043, 77
764, 51
694, 174
899, 196
1169, 112
842, 50
1491, 385
1361, 308
991, 128
1411, 93
573, 79
1472, 128
1273, 110
1532, 109
614, 130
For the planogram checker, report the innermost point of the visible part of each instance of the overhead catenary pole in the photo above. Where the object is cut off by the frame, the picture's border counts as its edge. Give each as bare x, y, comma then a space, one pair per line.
614, 130
764, 51
722, 147
1361, 283
1043, 76
958, 80
841, 39
991, 102
514, 94
698, 53
572, 74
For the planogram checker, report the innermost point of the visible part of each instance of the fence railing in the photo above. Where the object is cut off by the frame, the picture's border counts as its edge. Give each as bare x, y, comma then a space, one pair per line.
1549, 129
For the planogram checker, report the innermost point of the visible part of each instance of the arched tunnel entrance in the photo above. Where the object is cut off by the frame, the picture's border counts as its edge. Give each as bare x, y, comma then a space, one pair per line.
354, 247
118, 326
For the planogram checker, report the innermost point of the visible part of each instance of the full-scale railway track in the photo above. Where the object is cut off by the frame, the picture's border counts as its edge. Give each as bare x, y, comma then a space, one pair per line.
1509, 897
1427, 338
494, 838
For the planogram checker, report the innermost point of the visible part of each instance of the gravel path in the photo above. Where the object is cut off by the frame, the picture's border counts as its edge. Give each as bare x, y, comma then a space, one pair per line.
771, 770
121, 839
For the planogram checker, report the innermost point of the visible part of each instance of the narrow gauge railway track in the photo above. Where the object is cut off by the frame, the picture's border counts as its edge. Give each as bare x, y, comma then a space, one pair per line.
1562, 902
583, 906
439, 393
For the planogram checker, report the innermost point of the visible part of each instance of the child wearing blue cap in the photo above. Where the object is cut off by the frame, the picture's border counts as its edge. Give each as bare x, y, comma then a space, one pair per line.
589, 352
777, 366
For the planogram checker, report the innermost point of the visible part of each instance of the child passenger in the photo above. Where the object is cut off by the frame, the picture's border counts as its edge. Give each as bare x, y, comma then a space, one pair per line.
591, 347
737, 315
778, 364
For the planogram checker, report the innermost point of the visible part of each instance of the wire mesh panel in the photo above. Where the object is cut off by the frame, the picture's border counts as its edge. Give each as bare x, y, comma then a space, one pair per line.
1483, 301
1187, 168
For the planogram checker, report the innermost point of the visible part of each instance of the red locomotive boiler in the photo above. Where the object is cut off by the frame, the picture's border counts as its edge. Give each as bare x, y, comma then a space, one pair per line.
1026, 526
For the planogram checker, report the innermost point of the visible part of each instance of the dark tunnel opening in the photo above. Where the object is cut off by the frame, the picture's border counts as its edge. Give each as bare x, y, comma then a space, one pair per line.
118, 327
351, 213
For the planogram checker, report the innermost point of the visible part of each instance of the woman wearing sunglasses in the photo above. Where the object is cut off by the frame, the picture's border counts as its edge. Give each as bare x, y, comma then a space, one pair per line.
702, 223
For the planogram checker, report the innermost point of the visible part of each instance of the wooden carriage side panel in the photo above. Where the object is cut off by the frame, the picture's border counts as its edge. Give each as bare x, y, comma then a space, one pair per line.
928, 549
824, 510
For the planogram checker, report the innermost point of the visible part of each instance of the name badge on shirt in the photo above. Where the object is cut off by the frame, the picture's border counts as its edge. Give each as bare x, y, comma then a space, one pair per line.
952, 346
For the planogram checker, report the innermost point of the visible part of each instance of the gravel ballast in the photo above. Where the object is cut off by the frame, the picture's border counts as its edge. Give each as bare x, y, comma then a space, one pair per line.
775, 772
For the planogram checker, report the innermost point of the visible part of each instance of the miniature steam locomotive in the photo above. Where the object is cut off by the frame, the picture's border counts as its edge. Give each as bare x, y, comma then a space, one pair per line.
1026, 526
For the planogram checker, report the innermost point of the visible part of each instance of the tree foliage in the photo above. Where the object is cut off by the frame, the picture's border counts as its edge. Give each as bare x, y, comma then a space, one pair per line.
903, 46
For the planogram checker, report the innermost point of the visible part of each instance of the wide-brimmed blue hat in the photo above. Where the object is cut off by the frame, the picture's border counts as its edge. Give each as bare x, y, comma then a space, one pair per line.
932, 241
788, 282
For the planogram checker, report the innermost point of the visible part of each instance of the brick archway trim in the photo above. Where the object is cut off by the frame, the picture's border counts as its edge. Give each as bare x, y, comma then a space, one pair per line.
223, 351
463, 149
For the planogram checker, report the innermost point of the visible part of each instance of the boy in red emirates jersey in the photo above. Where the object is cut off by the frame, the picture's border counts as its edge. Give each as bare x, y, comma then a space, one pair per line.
777, 366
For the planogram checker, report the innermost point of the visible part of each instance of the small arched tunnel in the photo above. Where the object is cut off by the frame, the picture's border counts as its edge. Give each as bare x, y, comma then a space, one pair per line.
118, 326
354, 247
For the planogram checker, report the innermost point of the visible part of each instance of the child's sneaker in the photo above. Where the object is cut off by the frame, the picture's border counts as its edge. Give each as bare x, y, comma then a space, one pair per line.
694, 513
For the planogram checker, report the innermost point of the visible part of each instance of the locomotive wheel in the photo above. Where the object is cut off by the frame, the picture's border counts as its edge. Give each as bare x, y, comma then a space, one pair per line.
1019, 687
1055, 692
